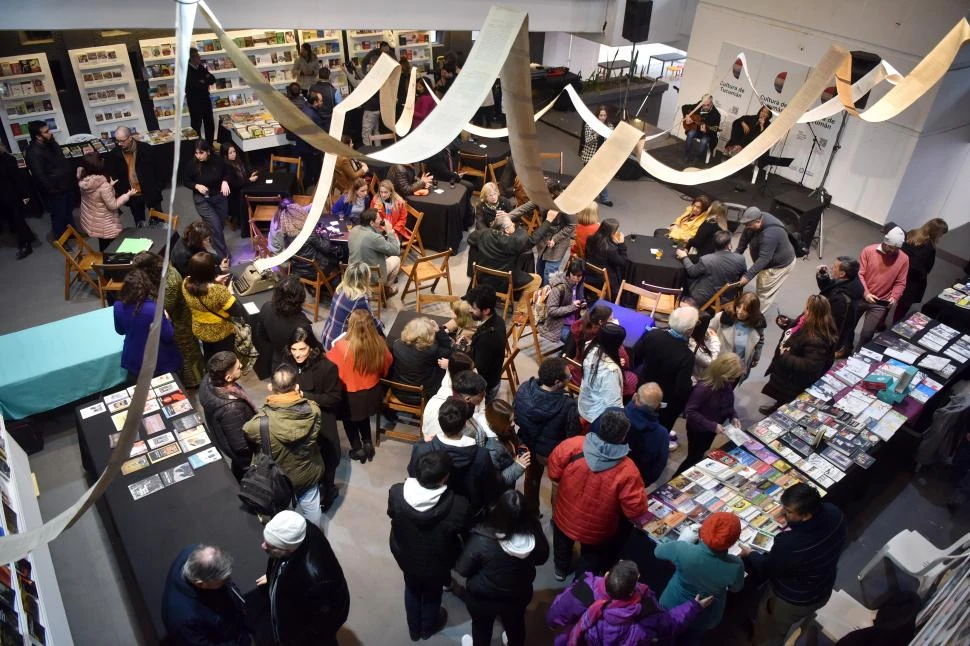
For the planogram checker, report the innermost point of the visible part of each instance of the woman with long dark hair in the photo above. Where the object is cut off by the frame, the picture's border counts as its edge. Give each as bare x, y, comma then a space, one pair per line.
278, 318
606, 250
805, 351
509, 455
208, 179
240, 174
133, 314
685, 227
227, 408
306, 67
319, 380
362, 358
195, 238
499, 562
583, 332
602, 385
920, 246
212, 305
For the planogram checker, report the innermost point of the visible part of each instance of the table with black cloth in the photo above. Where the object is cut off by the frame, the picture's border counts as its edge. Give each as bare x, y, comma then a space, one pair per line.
150, 532
280, 182
949, 313
406, 316
493, 149
441, 227
644, 267
157, 234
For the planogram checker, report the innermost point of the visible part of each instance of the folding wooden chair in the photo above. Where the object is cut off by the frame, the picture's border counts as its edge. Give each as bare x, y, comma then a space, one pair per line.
531, 220
79, 263
427, 269
302, 200
714, 302
494, 167
518, 331
652, 298
506, 276
262, 209
320, 280
570, 386
289, 161
414, 235
556, 156
509, 373
164, 217
392, 402
473, 165
603, 291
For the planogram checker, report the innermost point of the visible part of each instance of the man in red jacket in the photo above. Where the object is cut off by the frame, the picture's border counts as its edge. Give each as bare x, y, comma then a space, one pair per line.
598, 484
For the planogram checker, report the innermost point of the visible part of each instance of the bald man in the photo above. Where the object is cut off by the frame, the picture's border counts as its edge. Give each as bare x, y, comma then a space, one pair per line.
134, 165
648, 439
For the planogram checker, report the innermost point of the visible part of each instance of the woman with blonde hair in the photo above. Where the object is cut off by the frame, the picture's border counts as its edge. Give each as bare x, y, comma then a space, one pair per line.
587, 223
353, 202
353, 293
461, 327
740, 328
703, 241
489, 205
710, 406
509, 455
806, 350
416, 356
920, 246
392, 207
362, 359
686, 225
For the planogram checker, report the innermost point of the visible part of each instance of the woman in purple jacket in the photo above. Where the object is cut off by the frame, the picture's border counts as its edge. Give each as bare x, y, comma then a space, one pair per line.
133, 314
710, 405
617, 610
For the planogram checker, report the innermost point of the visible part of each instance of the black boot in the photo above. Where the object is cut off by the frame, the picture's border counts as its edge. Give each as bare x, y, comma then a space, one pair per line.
368, 452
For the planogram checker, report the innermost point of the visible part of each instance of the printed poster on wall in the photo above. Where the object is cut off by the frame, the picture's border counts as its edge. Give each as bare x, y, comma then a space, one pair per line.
732, 93
778, 81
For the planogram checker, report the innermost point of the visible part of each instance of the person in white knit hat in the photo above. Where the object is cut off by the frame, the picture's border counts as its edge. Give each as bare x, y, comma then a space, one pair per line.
304, 585
882, 271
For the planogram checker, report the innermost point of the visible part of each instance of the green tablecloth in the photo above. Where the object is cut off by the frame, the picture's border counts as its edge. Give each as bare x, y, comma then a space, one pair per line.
54, 364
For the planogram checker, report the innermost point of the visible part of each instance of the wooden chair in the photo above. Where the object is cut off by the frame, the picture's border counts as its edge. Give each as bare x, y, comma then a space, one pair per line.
603, 292
518, 331
376, 288
532, 220
556, 156
164, 217
392, 402
473, 165
374, 181
262, 209
494, 167
289, 161
79, 263
302, 200
427, 269
508, 295
387, 136
509, 373
321, 280
714, 302
414, 235
570, 386
651, 298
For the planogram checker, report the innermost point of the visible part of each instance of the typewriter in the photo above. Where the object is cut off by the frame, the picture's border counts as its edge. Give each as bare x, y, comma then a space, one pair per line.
253, 281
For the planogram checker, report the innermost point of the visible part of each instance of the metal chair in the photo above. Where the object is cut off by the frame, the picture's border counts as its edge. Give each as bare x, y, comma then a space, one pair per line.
505, 276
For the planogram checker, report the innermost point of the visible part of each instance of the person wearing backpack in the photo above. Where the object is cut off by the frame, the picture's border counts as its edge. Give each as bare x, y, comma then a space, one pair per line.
293, 424
616, 609
771, 250
561, 302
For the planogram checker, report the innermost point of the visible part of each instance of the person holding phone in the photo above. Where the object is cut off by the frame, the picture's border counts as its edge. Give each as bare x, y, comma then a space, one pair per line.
882, 271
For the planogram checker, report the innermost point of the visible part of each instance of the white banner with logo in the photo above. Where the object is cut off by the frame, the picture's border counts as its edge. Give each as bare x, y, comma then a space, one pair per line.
733, 95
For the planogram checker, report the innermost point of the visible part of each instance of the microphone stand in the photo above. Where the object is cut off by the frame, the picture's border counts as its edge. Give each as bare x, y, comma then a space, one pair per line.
801, 182
835, 149
629, 79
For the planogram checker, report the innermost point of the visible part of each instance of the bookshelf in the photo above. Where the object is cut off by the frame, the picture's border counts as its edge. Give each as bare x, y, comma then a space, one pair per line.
108, 92
27, 92
272, 51
416, 45
328, 45
31, 608
362, 41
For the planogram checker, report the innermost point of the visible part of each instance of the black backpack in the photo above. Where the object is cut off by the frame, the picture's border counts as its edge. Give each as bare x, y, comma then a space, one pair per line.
264, 488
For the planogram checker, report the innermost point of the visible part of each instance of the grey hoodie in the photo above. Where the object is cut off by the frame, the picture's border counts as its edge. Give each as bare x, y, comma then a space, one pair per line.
601, 455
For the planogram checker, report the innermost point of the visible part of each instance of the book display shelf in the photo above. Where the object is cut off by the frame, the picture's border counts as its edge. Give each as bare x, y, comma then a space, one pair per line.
27, 93
328, 45
272, 51
108, 92
31, 609
416, 45
362, 41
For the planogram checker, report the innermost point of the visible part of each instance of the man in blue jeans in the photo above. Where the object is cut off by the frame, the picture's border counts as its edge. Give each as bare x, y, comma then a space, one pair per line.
703, 119
54, 173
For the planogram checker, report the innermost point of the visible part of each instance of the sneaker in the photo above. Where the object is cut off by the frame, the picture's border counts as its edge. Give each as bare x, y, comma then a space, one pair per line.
672, 446
560, 575
607, 202
140, 224
466, 640
673, 436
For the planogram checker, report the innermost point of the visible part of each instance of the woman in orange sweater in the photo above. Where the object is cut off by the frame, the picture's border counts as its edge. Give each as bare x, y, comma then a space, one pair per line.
587, 223
362, 359
392, 207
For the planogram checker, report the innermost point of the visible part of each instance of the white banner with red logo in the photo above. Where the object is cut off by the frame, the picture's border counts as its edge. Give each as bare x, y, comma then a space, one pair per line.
733, 95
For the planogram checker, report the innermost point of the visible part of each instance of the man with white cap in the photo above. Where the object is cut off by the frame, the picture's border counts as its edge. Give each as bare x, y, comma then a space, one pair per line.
307, 592
771, 252
882, 271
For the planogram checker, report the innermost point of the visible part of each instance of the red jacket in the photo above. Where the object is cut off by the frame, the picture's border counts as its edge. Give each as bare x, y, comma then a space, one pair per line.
588, 504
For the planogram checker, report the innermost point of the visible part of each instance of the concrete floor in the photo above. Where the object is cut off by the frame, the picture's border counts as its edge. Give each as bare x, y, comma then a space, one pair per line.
357, 527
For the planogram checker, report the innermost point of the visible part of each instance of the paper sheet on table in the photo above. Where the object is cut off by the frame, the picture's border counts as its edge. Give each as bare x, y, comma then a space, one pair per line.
134, 245
251, 308
903, 355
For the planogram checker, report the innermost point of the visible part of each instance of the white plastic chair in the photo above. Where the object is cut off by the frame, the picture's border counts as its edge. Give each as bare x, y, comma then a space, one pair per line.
915, 555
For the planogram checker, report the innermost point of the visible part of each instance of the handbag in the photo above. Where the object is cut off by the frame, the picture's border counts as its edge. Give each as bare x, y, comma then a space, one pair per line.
244, 348
265, 488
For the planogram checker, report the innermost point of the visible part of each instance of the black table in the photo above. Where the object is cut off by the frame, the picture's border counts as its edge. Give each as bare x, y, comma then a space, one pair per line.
644, 267
156, 234
950, 313
151, 531
443, 212
406, 316
564, 179
494, 150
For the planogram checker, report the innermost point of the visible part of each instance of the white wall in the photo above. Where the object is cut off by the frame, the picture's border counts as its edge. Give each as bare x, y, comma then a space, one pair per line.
578, 54
869, 170
670, 23
544, 15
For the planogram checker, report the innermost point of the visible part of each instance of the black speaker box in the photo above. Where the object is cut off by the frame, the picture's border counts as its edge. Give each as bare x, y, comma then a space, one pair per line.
636, 20
862, 64
800, 212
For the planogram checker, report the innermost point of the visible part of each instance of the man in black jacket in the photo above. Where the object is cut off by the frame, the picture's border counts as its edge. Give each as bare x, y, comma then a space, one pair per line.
801, 565
227, 408
488, 342
54, 174
713, 271
664, 357
473, 476
841, 287
200, 604
304, 585
329, 96
501, 246
546, 415
197, 82
707, 119
426, 522
134, 165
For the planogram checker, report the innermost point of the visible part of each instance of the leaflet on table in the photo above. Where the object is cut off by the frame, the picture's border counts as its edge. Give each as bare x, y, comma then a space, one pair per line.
93, 409
912, 325
887, 426
871, 354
